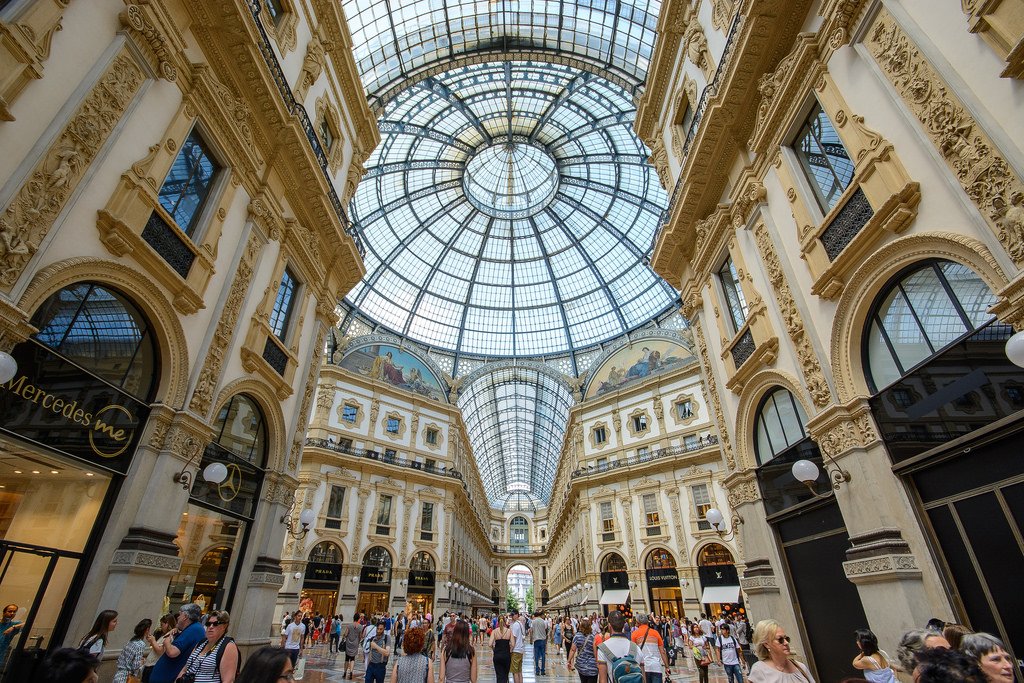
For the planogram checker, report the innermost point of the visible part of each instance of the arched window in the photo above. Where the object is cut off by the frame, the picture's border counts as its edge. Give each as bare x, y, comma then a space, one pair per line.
325, 552
422, 561
922, 311
102, 331
780, 424
519, 534
614, 563
377, 556
240, 429
714, 553
660, 559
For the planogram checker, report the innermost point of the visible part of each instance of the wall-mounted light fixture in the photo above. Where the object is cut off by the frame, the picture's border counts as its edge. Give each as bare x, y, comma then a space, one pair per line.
8, 367
213, 473
807, 472
297, 530
715, 517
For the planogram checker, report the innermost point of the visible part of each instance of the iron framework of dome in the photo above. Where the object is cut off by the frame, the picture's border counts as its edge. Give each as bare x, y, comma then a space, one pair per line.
508, 211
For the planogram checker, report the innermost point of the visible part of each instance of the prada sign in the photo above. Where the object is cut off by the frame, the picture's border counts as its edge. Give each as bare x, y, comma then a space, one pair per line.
375, 575
421, 581
663, 578
55, 403
322, 575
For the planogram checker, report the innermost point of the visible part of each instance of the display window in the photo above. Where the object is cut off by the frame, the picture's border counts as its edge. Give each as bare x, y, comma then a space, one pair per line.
209, 544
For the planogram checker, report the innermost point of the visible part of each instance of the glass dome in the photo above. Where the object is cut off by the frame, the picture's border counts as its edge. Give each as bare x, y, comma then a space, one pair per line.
508, 211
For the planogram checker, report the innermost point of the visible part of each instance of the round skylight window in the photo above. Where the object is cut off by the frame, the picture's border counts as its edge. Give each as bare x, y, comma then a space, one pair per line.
510, 179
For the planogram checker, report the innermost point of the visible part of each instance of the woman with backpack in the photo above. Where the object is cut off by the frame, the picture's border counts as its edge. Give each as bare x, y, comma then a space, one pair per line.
581, 653
458, 659
214, 660
96, 639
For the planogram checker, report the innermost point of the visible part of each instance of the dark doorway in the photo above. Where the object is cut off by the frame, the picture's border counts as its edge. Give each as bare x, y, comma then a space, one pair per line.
814, 544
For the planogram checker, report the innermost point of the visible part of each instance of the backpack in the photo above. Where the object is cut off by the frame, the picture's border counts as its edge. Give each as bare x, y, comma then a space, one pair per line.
220, 656
624, 669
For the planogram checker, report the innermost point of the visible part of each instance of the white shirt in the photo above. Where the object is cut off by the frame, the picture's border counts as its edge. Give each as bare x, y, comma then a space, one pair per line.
520, 635
705, 627
729, 648
293, 635
619, 644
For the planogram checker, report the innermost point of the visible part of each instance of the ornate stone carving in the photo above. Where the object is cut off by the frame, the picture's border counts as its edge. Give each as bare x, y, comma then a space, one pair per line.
134, 17
312, 66
817, 386
698, 52
210, 374
32, 212
972, 157
659, 159
716, 403
307, 395
721, 14
743, 492
325, 399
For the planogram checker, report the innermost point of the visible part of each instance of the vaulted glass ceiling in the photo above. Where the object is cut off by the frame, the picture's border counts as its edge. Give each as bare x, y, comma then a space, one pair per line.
396, 40
516, 421
508, 211
509, 208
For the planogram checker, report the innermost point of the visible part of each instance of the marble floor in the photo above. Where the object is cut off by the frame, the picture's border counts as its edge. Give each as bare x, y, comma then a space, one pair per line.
325, 667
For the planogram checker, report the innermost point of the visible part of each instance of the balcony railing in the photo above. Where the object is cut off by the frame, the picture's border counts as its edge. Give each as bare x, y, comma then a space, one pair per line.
387, 458
519, 549
702, 442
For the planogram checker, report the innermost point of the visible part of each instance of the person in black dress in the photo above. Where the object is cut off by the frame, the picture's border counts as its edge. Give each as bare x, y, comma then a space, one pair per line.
502, 642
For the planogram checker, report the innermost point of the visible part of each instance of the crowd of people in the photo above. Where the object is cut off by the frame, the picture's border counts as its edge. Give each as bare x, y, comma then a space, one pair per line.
192, 647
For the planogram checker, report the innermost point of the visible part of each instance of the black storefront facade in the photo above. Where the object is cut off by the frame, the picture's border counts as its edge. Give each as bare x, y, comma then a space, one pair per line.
953, 429
68, 438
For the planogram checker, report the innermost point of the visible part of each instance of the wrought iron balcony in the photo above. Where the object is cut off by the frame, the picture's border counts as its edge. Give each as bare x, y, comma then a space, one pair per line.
386, 458
702, 442
519, 549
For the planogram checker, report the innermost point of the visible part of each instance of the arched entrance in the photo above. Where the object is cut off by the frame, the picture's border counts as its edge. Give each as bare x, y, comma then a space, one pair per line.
719, 579
663, 584
519, 595
323, 577
374, 581
421, 584
614, 584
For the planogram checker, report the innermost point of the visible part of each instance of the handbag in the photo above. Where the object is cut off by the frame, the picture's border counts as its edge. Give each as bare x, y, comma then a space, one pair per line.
132, 679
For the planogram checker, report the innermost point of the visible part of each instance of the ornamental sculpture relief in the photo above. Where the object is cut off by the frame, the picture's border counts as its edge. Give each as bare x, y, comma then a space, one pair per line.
31, 214
698, 52
716, 403
817, 387
971, 156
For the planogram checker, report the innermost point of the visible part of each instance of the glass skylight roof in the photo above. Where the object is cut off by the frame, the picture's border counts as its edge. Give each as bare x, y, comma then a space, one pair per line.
395, 40
516, 420
508, 211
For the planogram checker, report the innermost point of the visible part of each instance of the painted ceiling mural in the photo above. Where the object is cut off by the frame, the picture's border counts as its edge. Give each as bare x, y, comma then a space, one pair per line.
635, 362
396, 367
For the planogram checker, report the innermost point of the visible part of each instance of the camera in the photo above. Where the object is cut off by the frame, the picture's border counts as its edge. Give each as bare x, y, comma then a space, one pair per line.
187, 677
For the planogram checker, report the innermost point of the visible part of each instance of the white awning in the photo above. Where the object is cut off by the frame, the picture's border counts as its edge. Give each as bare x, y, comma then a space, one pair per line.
721, 595
615, 597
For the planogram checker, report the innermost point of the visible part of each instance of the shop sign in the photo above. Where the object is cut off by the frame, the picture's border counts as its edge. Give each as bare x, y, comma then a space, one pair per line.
663, 578
235, 495
718, 575
375, 575
421, 581
58, 404
614, 580
323, 573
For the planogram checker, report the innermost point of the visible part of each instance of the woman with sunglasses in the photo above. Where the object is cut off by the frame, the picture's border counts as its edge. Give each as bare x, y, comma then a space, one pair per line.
776, 663
214, 660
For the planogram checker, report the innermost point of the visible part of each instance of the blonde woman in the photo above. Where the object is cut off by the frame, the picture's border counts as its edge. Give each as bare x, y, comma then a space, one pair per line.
775, 659
501, 644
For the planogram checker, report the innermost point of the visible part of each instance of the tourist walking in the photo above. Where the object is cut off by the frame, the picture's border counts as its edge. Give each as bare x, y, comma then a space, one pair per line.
414, 667
214, 660
730, 653
501, 643
458, 658
352, 639
539, 633
700, 648
188, 632
379, 649
581, 653
96, 639
872, 661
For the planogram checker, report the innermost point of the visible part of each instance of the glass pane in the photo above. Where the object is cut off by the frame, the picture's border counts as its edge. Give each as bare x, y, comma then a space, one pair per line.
941, 320
47, 501
206, 543
823, 158
771, 422
384, 511
336, 505
970, 290
903, 330
102, 331
792, 423
883, 368
240, 429
283, 305
734, 298
188, 183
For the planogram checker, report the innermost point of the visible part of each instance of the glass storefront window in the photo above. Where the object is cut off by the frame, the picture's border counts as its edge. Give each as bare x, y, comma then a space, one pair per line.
48, 508
207, 543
